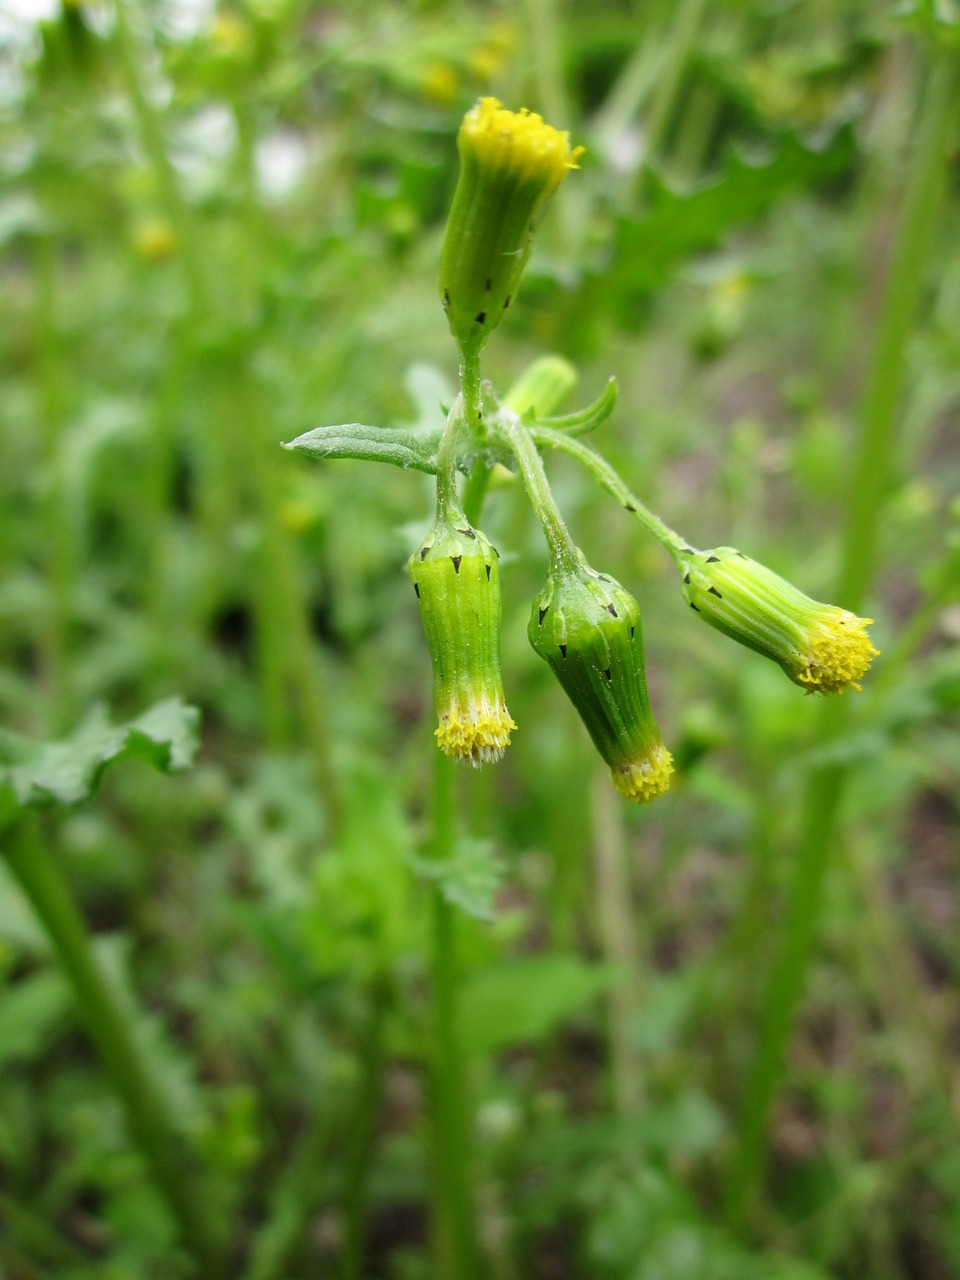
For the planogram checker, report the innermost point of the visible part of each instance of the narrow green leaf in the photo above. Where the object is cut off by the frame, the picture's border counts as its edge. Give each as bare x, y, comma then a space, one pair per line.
395, 445
586, 420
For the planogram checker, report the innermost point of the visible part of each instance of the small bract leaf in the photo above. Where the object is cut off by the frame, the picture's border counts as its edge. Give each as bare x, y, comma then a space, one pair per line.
469, 880
586, 420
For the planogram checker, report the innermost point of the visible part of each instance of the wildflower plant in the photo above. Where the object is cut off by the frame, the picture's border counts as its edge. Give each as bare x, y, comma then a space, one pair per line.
584, 624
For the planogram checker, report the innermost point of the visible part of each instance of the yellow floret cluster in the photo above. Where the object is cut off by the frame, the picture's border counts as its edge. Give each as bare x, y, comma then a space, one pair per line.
837, 654
477, 732
520, 140
644, 779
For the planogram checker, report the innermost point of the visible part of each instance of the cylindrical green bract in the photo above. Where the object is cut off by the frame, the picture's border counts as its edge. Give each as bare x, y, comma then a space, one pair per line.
587, 627
456, 577
510, 165
822, 648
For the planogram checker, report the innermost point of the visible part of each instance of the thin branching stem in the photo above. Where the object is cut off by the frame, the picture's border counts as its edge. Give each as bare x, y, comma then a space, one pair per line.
602, 471
563, 553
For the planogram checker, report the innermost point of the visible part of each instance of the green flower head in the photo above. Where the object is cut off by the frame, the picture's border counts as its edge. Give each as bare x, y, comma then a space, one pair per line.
588, 629
510, 165
822, 648
455, 575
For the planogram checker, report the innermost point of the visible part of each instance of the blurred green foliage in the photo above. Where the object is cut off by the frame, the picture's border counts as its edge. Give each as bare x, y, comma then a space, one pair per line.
219, 228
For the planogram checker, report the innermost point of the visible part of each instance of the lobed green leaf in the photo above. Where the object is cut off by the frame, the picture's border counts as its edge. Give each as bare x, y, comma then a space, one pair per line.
68, 772
469, 880
678, 224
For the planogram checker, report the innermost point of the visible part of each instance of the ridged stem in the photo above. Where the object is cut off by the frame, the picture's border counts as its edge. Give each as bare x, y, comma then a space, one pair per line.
454, 1232
541, 388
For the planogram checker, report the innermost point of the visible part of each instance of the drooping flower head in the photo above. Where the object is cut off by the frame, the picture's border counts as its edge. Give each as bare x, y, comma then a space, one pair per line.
588, 629
455, 575
511, 163
822, 648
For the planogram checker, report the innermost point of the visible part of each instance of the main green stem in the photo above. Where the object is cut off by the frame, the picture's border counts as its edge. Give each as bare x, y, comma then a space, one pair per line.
454, 1229
868, 491
363, 1132
59, 535
164, 1149
454, 1232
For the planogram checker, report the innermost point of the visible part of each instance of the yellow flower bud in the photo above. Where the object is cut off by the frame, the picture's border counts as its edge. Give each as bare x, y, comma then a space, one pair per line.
822, 648
587, 628
510, 165
455, 575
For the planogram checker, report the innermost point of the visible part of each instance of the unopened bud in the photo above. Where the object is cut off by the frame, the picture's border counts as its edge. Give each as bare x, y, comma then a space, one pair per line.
510, 165
588, 629
822, 648
456, 577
